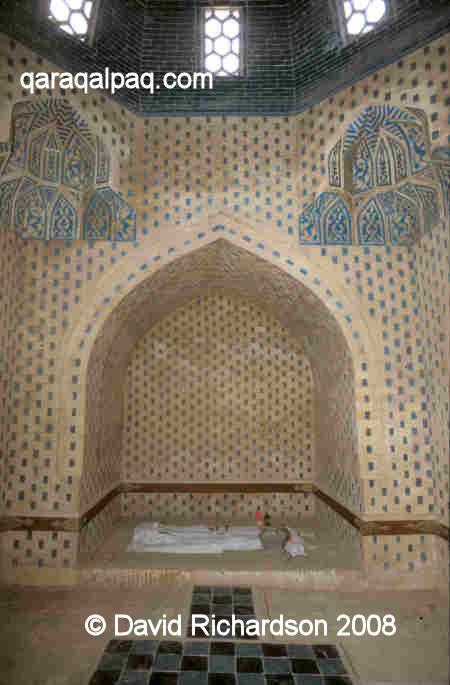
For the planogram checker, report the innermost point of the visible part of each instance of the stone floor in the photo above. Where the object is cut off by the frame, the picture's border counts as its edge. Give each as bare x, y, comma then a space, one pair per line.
43, 640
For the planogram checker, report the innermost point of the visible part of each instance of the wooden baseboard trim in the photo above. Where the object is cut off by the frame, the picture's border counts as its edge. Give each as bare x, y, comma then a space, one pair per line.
75, 524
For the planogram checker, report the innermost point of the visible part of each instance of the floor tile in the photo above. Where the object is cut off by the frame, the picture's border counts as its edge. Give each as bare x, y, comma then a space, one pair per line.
112, 662
167, 662
250, 679
193, 678
194, 663
301, 651
309, 680
222, 599
221, 610
223, 648
139, 662
240, 610
277, 665
144, 646
331, 666
221, 679
164, 679
200, 609
105, 678
219, 663
134, 678
119, 646
307, 666
221, 602
196, 647
325, 652
283, 679
170, 647
249, 664
275, 650
246, 649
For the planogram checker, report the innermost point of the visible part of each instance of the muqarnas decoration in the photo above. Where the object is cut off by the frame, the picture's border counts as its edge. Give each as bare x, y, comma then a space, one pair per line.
440, 158
109, 217
390, 217
54, 177
326, 221
382, 179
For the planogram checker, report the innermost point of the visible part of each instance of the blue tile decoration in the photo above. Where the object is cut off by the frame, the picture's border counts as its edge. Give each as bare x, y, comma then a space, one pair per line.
403, 218
337, 224
327, 220
8, 191
429, 202
109, 217
388, 144
18, 154
386, 182
52, 144
78, 163
30, 216
45, 156
64, 220
309, 226
98, 217
334, 166
395, 216
441, 162
103, 168
371, 224
441, 154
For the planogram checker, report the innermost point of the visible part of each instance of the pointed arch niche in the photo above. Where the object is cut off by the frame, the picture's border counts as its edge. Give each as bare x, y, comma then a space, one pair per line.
220, 269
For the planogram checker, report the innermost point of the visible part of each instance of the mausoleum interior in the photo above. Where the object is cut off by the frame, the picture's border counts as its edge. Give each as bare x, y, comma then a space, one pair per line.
224, 310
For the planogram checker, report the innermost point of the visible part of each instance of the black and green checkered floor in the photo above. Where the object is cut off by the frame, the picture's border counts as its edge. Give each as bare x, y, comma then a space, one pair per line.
219, 661
206, 662
222, 603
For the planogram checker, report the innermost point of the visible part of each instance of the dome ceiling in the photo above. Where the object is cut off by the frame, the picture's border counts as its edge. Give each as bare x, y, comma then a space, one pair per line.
294, 52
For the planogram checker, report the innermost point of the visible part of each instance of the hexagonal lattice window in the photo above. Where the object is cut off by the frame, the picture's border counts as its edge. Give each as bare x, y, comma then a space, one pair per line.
222, 27
361, 16
72, 16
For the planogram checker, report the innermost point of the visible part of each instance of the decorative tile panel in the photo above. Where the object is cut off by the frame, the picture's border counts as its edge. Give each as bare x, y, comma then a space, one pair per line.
51, 143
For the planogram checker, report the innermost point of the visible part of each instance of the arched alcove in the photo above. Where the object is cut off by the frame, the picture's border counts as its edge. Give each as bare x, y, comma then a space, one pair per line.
222, 268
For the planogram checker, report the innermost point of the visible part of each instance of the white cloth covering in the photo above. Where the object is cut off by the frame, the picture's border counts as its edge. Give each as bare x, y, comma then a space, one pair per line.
295, 545
151, 537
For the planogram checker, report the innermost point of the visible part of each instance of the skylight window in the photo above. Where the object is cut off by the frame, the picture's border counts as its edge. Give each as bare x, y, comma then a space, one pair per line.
362, 16
222, 41
72, 16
